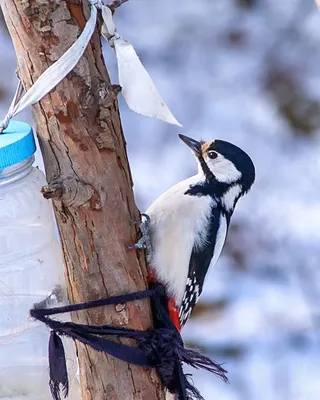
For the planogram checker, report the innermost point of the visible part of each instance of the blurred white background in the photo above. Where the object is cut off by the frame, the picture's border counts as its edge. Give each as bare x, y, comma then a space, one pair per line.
246, 71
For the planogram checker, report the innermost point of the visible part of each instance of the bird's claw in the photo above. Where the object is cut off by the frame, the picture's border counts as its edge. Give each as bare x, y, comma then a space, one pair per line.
144, 241
139, 245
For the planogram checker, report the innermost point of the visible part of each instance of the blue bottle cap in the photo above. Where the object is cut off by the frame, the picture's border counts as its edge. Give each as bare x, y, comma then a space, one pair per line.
16, 144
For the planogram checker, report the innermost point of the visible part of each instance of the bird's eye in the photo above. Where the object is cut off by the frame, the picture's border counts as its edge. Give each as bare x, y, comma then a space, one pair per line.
212, 154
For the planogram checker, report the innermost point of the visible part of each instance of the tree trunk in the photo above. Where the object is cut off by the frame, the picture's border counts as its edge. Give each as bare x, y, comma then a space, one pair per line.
81, 138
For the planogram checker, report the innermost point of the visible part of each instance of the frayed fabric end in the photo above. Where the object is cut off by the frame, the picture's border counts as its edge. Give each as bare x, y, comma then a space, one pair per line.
161, 348
59, 382
166, 350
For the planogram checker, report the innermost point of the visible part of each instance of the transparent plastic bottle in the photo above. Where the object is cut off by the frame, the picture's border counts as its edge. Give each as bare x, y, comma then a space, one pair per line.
31, 271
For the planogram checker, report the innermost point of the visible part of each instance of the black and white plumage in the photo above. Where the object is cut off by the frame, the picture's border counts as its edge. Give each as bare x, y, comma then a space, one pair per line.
189, 222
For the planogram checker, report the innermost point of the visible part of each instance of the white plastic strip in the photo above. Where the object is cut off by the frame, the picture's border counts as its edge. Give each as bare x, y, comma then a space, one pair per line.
57, 71
138, 89
16, 98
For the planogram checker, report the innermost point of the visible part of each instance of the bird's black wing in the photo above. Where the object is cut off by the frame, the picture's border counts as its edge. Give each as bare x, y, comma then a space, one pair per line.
199, 263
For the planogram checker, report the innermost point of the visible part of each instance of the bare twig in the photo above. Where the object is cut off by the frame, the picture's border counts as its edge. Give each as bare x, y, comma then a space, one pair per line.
115, 4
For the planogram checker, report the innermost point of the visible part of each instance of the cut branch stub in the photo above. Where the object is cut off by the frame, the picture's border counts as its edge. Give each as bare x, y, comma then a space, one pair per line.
108, 93
72, 193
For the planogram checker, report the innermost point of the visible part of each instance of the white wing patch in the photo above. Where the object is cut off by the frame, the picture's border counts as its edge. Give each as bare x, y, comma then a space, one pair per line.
221, 238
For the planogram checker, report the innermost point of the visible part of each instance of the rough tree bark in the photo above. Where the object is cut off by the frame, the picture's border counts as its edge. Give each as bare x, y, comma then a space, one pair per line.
81, 138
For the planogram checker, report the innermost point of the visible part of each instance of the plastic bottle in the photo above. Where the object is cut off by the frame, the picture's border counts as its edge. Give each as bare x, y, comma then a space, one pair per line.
31, 271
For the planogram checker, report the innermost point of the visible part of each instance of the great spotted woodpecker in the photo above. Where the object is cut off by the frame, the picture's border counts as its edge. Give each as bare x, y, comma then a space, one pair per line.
187, 225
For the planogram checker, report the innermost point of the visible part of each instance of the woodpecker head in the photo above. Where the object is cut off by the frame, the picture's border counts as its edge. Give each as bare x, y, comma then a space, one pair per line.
224, 163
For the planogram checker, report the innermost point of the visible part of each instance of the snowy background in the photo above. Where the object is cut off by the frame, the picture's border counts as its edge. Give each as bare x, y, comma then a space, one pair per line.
246, 71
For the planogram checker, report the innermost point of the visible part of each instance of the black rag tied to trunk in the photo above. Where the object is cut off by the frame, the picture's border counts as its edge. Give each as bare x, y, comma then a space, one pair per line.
161, 347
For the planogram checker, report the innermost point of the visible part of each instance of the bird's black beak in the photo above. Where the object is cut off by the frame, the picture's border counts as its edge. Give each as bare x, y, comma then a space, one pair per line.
193, 144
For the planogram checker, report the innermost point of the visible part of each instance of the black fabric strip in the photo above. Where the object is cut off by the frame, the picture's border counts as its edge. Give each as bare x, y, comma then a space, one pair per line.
161, 348
36, 312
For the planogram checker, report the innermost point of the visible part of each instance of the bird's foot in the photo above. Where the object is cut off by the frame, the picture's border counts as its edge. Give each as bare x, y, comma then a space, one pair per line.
144, 242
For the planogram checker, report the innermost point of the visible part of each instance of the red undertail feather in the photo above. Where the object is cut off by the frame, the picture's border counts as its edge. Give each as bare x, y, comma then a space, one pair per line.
172, 306
174, 313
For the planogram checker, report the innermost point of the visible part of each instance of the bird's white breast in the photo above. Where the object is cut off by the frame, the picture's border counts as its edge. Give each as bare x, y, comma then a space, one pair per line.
178, 222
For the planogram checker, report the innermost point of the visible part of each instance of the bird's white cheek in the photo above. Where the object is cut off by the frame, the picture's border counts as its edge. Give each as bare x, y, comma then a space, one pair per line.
210, 163
223, 169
